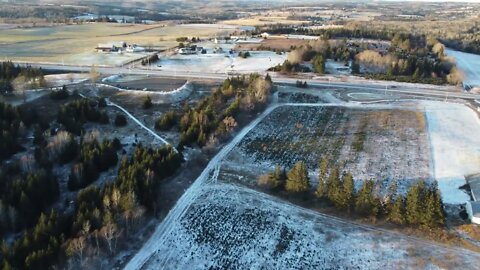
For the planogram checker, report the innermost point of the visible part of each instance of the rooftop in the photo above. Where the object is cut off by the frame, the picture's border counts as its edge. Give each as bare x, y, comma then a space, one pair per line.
474, 182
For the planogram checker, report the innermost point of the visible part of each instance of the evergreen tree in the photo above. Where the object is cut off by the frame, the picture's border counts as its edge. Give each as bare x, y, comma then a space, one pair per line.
434, 215
319, 64
347, 197
414, 205
390, 200
397, 211
321, 191
366, 203
277, 177
297, 178
333, 185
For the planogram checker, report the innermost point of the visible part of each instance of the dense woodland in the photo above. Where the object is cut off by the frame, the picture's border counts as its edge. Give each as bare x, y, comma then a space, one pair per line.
76, 113
40, 232
10, 72
217, 115
13, 123
422, 206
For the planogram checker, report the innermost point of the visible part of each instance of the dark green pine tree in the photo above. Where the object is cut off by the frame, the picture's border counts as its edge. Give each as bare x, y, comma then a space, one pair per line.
297, 178
321, 191
391, 195
277, 178
414, 204
434, 215
333, 185
366, 203
397, 211
347, 197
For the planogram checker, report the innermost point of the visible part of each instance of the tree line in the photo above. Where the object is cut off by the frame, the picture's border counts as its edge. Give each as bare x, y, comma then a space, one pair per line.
422, 206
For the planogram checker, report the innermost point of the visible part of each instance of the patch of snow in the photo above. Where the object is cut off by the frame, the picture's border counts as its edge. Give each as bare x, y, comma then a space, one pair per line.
469, 63
454, 131
57, 80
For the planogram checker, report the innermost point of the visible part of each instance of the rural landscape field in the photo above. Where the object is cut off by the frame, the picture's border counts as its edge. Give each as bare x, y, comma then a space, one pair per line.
239, 134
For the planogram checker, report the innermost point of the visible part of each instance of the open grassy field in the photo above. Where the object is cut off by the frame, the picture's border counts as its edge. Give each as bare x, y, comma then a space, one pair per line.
75, 43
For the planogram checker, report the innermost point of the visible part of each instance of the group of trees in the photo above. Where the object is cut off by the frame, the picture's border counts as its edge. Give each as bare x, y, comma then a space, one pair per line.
215, 116
60, 94
23, 196
9, 72
76, 113
94, 158
411, 58
316, 52
14, 122
422, 205
103, 214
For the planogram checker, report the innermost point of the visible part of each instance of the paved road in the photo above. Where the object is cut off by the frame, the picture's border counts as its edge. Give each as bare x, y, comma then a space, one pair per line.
393, 87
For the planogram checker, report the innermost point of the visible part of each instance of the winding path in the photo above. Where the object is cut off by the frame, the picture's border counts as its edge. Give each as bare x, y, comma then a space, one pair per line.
109, 103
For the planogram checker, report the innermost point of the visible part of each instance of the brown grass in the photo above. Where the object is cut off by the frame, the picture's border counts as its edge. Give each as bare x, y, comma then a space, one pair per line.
278, 44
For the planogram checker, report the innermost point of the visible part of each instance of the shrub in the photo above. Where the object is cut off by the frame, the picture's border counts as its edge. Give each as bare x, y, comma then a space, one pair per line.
147, 103
60, 94
120, 120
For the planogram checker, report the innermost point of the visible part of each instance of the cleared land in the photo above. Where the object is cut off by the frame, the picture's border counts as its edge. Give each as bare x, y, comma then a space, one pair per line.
230, 227
384, 144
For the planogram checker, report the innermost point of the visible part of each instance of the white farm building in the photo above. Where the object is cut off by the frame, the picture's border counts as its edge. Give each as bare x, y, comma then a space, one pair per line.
473, 207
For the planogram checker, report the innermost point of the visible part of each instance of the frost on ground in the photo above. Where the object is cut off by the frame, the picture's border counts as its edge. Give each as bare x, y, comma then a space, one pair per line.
469, 64
231, 227
454, 131
56, 80
383, 144
259, 61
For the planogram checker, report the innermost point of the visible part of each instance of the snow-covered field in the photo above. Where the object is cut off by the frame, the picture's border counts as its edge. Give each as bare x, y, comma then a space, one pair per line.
259, 61
381, 142
454, 131
470, 65
232, 227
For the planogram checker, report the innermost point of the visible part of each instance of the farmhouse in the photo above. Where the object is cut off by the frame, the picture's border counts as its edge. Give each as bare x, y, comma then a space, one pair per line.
473, 207
134, 48
111, 47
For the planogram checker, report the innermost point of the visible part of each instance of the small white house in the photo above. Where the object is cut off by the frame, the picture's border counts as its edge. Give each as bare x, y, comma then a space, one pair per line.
134, 48
265, 35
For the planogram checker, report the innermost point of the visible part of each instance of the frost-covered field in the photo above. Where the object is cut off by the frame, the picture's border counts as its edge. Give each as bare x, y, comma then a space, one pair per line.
231, 227
259, 61
383, 144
